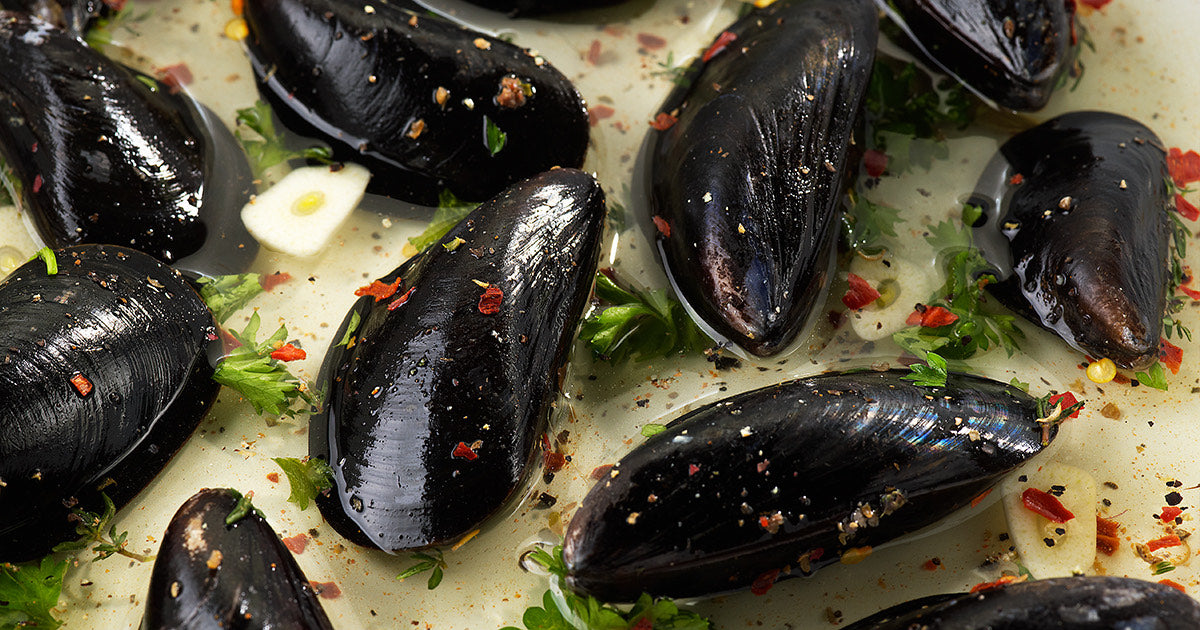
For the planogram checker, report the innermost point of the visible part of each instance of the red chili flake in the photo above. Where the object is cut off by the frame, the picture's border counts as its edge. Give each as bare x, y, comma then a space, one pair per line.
296, 544
398, 302
650, 41
379, 290
664, 121
1184, 167
1186, 209
270, 281
816, 554
1067, 400
860, 293
1107, 544
764, 522
875, 161
1016, 180
1170, 354
596, 113
764, 582
1170, 540
1107, 527
693, 469
936, 317
1170, 513
553, 461
1190, 292
326, 590
37, 183
1045, 504
288, 352
464, 451
977, 500
988, 586
723, 40
82, 384
211, 336
643, 624
1095, 4
33, 148
511, 94
663, 227
932, 564
593, 54
273, 477
175, 76
1173, 584
489, 302
914, 318
601, 472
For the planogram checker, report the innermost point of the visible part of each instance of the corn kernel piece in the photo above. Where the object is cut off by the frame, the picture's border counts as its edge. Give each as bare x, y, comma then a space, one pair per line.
1101, 371
236, 29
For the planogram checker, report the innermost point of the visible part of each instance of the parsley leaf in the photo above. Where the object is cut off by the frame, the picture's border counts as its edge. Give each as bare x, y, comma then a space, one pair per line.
355, 320
563, 610
101, 31
903, 106
866, 223
90, 527
493, 137
638, 325
264, 381
652, 429
432, 562
29, 592
268, 149
450, 211
307, 477
1156, 377
932, 373
243, 508
224, 295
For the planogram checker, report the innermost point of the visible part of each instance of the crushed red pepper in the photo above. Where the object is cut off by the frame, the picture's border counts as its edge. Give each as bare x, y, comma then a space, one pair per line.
296, 544
1173, 584
1067, 400
931, 317
1045, 504
988, 586
1106, 535
398, 302
82, 384
1170, 540
37, 183
721, 43
511, 94
465, 452
875, 162
1170, 354
662, 226
1170, 513
288, 352
1186, 209
379, 290
175, 76
663, 121
860, 293
272, 280
326, 590
1184, 167
764, 582
1016, 180
489, 302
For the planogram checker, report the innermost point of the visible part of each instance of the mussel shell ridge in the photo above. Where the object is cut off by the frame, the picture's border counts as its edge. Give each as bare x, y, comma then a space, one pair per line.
433, 414
794, 475
104, 373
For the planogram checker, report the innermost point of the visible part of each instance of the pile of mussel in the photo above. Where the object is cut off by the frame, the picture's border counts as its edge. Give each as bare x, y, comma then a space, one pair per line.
437, 395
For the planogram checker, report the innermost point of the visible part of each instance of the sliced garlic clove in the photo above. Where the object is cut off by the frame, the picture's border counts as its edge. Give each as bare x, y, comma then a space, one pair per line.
1050, 549
299, 215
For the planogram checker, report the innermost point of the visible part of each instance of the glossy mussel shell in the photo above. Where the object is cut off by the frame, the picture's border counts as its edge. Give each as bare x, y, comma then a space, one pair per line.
104, 373
1084, 232
747, 184
74, 16
103, 154
1074, 603
434, 413
407, 94
255, 582
1012, 52
794, 475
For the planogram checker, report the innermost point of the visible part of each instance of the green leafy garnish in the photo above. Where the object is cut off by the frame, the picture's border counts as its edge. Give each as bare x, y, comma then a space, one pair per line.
101, 31
667, 69
931, 373
29, 592
651, 430
454, 244
563, 610
493, 137
308, 477
242, 508
264, 381
1054, 413
268, 150
1021, 385
1160, 568
224, 295
355, 319
47, 256
91, 529
638, 325
450, 211
866, 223
902, 106
432, 561
1180, 233
1156, 377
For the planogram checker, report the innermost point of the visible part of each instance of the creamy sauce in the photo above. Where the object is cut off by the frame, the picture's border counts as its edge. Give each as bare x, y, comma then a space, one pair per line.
1144, 67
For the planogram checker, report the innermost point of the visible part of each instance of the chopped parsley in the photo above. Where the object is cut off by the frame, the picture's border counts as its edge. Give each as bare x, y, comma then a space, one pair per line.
1155, 377
243, 508
651, 430
29, 592
903, 106
931, 373
91, 529
224, 295
432, 561
307, 476
638, 325
355, 319
264, 381
493, 137
866, 223
268, 149
450, 211
101, 31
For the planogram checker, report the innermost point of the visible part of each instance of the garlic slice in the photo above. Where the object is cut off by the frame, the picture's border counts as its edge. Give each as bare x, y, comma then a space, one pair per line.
299, 215
1050, 549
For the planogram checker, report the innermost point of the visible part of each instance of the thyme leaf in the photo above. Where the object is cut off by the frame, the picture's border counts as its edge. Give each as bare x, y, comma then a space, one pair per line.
91, 528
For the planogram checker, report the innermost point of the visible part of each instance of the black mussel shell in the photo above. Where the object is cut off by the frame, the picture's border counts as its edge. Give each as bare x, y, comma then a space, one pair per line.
538, 7
433, 414
412, 96
1074, 603
73, 16
795, 475
1012, 52
103, 154
212, 575
747, 184
104, 373
1084, 232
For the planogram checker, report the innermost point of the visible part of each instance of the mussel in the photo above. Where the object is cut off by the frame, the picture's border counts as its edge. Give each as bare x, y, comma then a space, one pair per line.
214, 573
1074, 603
747, 182
517, 8
783, 480
73, 16
1077, 223
424, 103
104, 373
100, 153
434, 408
1013, 52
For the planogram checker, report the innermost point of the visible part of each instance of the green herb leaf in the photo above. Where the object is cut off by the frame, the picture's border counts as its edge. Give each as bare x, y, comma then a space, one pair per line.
268, 149
47, 256
639, 325
932, 373
102, 30
493, 137
28, 592
1019, 384
450, 211
307, 477
242, 508
264, 381
91, 530
677, 74
432, 562
224, 295
905, 108
454, 244
1156, 377
355, 319
651, 430
1160, 568
866, 223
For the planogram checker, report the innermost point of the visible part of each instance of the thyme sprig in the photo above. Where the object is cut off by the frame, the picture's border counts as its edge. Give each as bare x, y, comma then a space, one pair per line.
97, 530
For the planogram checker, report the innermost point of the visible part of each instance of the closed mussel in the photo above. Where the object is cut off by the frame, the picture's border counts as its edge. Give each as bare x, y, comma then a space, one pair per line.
422, 102
220, 565
1075, 603
748, 178
104, 373
791, 478
100, 153
1013, 52
73, 16
1077, 223
437, 399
